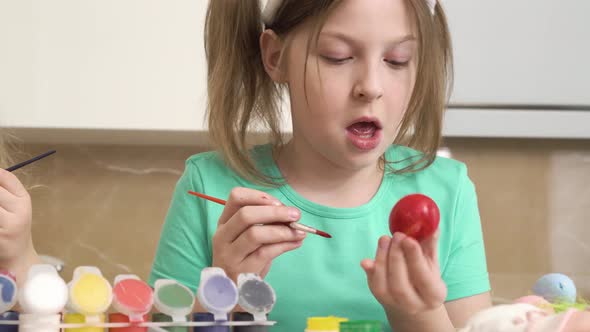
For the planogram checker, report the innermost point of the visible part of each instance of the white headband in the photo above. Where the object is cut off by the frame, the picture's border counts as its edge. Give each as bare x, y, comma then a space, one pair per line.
272, 6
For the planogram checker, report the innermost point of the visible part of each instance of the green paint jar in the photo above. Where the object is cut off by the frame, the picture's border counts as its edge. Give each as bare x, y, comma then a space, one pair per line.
361, 326
159, 317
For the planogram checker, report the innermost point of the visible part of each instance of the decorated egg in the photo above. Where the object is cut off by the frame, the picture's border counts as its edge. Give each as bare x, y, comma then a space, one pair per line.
415, 215
555, 287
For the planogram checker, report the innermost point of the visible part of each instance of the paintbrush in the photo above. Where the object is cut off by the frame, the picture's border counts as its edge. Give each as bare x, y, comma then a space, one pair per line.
294, 225
32, 160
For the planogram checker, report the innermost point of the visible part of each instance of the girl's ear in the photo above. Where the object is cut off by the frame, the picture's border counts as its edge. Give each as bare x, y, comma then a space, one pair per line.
271, 47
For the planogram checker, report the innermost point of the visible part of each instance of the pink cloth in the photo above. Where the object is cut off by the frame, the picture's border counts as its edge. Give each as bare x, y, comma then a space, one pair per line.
520, 317
555, 323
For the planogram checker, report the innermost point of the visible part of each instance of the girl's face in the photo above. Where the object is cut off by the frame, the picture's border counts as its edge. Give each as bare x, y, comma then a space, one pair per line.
358, 82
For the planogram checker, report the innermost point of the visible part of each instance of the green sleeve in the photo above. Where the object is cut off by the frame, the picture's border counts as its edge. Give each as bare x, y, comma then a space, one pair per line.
465, 273
183, 249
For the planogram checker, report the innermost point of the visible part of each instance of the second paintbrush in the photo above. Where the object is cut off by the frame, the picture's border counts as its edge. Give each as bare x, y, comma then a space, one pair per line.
294, 225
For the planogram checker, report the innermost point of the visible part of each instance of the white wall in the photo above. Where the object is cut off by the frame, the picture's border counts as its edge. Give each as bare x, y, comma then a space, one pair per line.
139, 64
124, 64
521, 51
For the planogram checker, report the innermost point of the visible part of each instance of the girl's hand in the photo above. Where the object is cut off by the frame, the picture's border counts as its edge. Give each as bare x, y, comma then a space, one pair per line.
405, 276
16, 244
252, 231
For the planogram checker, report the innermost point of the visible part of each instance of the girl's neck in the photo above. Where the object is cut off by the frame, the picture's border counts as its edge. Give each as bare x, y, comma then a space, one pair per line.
323, 182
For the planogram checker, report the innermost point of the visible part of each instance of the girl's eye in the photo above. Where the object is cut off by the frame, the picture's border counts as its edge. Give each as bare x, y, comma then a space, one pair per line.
335, 60
398, 64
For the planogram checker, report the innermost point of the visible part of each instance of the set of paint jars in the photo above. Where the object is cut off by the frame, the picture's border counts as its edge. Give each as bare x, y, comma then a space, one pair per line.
48, 304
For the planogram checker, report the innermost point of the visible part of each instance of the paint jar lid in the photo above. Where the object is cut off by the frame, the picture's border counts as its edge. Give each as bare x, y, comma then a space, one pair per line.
89, 292
173, 299
361, 326
256, 296
132, 297
8, 291
44, 292
329, 323
217, 293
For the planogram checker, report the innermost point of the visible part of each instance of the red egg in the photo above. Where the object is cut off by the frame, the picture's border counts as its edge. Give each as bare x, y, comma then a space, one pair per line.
415, 215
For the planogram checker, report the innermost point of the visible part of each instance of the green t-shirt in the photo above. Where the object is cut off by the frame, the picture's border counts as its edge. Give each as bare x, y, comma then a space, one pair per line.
324, 277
